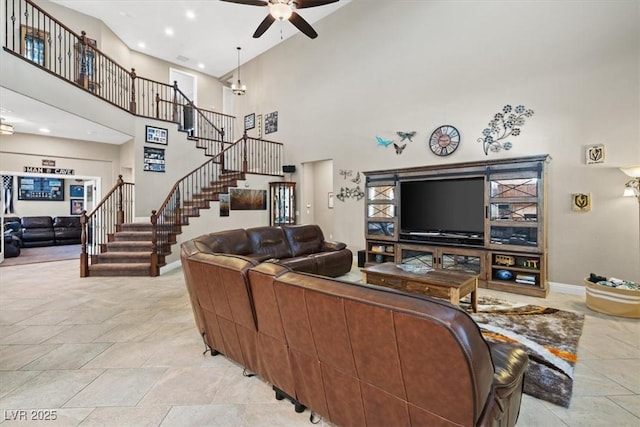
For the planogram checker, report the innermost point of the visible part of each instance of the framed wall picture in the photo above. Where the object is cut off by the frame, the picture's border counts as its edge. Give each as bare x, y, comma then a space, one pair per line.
595, 154
271, 122
249, 121
154, 159
43, 189
581, 202
76, 206
156, 135
76, 190
242, 199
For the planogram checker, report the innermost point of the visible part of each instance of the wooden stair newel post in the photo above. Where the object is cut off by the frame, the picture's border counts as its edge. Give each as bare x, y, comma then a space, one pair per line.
245, 159
157, 105
154, 245
84, 257
120, 214
175, 102
132, 103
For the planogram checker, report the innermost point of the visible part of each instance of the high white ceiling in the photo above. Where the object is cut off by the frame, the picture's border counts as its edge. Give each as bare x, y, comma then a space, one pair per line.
210, 38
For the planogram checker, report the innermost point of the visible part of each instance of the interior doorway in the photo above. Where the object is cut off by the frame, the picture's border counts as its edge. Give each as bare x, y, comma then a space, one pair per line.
91, 194
317, 192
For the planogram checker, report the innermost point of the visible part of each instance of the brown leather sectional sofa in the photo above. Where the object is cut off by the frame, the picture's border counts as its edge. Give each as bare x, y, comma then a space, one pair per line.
300, 247
354, 354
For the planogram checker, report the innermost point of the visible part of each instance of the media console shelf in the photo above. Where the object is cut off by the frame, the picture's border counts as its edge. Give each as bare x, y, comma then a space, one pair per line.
485, 218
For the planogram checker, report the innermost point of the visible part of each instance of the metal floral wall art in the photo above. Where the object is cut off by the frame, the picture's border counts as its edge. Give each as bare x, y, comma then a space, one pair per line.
353, 192
504, 124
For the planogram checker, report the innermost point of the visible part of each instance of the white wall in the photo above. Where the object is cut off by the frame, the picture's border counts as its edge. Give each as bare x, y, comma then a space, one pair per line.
382, 67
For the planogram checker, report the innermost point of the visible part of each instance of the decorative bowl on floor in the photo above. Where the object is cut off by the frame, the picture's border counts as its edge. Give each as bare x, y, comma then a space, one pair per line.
411, 268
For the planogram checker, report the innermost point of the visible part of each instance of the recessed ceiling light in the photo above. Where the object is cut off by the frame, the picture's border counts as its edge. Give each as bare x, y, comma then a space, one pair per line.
168, 31
44, 130
190, 14
201, 65
141, 45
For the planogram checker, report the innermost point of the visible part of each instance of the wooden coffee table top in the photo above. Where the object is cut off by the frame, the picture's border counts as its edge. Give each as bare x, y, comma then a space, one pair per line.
436, 277
435, 283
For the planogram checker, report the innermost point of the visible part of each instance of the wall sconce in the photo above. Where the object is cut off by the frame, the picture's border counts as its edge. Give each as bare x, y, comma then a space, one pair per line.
632, 188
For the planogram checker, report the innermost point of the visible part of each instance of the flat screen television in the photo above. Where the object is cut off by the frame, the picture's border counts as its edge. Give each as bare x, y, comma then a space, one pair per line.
453, 206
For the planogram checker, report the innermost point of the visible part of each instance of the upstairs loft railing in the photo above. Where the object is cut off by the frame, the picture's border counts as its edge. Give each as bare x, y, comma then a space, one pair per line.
115, 209
34, 35
206, 183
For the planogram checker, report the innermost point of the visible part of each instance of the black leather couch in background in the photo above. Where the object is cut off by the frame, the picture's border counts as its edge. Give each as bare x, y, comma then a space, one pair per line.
67, 230
34, 231
37, 231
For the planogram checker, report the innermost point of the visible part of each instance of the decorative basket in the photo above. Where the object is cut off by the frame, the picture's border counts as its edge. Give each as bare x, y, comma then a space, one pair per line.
613, 301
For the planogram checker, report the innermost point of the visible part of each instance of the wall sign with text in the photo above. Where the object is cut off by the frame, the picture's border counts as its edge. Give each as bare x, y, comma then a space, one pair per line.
156, 135
154, 159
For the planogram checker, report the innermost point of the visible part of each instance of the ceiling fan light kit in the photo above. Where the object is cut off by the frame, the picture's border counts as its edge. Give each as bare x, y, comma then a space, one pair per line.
284, 10
280, 11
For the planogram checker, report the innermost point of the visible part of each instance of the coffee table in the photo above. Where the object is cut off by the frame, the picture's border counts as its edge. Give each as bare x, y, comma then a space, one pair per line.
435, 283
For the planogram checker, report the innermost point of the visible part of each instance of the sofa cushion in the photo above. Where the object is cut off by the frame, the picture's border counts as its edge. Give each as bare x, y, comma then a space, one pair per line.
269, 242
37, 222
304, 239
231, 241
66, 222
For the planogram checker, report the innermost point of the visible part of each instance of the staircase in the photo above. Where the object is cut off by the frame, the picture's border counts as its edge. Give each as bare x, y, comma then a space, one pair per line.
129, 250
112, 243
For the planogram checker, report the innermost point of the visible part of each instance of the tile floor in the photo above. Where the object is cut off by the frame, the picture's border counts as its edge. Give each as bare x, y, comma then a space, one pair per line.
125, 352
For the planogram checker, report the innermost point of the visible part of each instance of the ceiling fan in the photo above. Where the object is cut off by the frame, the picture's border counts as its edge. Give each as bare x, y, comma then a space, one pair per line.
284, 9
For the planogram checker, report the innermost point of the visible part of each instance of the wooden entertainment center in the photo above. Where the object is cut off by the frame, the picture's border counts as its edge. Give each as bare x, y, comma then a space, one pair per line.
507, 250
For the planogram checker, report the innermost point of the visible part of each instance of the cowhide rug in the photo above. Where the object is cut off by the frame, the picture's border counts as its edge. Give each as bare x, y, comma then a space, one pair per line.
549, 336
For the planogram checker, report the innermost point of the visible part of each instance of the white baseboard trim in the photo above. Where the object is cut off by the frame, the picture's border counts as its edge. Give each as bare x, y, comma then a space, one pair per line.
170, 267
565, 288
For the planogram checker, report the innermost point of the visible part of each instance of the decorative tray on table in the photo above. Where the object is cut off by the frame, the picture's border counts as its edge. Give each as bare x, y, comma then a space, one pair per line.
412, 268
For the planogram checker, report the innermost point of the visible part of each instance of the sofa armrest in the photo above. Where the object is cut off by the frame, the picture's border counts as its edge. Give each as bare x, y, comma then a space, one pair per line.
330, 246
510, 363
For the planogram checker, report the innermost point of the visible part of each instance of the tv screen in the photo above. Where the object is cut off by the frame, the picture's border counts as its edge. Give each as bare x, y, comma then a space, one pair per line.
442, 205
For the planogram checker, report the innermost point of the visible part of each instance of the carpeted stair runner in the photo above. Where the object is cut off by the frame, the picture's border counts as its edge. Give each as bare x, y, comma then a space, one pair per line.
128, 253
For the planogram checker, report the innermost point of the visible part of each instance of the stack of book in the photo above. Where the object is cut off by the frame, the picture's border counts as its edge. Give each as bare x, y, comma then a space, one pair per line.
526, 279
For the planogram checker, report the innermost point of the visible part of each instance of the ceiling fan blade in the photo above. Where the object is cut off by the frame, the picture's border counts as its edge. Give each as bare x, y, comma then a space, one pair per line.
264, 26
301, 4
249, 2
303, 25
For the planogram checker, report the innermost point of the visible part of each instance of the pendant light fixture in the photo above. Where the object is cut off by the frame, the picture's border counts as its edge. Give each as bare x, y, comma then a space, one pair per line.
239, 88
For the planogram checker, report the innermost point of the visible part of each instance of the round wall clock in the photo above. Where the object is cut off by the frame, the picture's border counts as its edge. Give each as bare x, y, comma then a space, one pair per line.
444, 140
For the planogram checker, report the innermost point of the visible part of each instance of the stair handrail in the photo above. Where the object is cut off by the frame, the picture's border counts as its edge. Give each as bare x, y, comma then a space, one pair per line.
232, 159
115, 201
